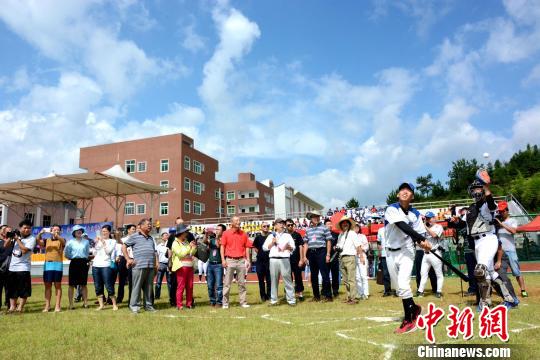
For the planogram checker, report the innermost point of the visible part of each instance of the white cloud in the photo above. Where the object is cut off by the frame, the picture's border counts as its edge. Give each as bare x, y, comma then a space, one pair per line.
237, 34
425, 12
192, 41
533, 77
70, 33
526, 126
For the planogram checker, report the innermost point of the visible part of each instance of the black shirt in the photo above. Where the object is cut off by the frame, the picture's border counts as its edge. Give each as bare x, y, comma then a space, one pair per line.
5, 252
298, 242
262, 256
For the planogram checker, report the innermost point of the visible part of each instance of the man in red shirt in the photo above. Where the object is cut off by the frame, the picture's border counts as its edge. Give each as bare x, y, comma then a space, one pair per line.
235, 246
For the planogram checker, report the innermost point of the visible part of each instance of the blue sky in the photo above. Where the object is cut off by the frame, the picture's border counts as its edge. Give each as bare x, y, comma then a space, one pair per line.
337, 99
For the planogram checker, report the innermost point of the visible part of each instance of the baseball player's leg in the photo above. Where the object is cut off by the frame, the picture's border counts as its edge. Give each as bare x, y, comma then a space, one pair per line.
424, 271
391, 266
406, 262
485, 250
437, 266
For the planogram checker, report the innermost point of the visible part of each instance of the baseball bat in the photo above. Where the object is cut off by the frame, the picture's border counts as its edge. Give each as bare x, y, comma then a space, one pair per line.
452, 267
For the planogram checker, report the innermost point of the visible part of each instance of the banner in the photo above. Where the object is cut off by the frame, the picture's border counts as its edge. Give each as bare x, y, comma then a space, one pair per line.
92, 230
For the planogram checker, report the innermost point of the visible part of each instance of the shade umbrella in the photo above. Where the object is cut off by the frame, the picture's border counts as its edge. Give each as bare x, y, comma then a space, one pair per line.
335, 220
530, 227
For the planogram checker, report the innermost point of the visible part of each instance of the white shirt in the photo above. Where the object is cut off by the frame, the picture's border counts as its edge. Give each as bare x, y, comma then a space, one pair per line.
20, 261
507, 239
395, 238
102, 253
161, 249
348, 241
129, 249
278, 250
436, 242
382, 240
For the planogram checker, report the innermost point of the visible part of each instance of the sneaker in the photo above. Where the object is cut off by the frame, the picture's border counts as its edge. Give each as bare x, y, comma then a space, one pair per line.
524, 293
292, 304
406, 327
327, 299
516, 301
438, 295
225, 307
301, 298
245, 306
419, 294
510, 305
352, 302
273, 303
150, 309
315, 299
386, 294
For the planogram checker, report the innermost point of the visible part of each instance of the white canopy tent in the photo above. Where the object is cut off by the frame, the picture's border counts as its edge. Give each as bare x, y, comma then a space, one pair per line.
112, 185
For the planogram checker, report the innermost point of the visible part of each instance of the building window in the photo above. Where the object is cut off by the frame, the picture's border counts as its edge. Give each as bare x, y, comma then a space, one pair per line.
187, 184
251, 195
217, 194
187, 206
231, 209
71, 221
230, 195
164, 184
197, 208
197, 188
164, 208
252, 209
46, 221
141, 166
129, 208
141, 209
187, 163
164, 165
197, 167
130, 166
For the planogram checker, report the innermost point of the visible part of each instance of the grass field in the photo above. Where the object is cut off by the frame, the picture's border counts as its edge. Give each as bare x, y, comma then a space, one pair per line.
310, 330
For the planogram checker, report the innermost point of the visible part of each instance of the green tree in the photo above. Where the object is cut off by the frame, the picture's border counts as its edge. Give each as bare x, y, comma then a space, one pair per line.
461, 175
392, 197
424, 184
352, 203
438, 191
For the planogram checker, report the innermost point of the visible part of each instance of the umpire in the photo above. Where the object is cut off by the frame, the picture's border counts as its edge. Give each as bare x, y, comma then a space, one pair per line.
319, 243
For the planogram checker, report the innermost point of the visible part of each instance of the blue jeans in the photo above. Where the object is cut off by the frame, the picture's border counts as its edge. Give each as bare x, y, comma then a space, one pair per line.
162, 271
214, 275
103, 276
514, 262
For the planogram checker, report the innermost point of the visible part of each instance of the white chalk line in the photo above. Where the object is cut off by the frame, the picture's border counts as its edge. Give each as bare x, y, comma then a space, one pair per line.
267, 317
529, 327
389, 347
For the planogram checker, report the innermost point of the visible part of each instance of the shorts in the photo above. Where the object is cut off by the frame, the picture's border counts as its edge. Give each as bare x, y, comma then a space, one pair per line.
19, 284
514, 262
78, 272
52, 271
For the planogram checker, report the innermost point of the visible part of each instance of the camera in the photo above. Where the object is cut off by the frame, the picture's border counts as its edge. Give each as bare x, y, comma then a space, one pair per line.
12, 234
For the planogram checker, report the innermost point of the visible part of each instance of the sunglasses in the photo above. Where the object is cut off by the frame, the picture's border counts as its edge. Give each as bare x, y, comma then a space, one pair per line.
289, 225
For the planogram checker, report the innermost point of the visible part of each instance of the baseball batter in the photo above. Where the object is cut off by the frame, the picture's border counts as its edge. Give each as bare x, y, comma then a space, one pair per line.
403, 225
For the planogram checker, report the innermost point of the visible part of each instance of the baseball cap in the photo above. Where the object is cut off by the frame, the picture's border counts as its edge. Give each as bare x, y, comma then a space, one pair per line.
407, 185
430, 215
502, 205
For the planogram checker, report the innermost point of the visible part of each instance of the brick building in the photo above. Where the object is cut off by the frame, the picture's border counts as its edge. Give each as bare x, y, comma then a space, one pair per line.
170, 161
248, 196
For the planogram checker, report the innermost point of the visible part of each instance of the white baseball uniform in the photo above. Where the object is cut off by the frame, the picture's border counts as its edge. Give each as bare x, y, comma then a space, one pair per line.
400, 248
429, 260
